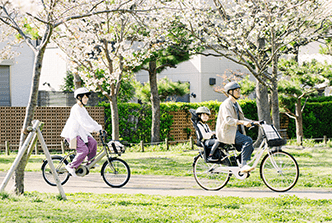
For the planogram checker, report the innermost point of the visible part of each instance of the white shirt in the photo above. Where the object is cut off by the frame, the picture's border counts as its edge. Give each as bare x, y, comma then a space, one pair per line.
80, 124
205, 130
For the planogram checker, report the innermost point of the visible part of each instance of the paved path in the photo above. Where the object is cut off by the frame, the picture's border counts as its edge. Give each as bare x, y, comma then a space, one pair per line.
153, 185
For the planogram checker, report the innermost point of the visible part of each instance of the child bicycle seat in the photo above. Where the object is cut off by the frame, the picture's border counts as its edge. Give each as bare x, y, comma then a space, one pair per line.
194, 120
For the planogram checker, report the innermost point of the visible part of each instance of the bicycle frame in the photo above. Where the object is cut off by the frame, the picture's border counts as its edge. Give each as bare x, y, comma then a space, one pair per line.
235, 170
83, 170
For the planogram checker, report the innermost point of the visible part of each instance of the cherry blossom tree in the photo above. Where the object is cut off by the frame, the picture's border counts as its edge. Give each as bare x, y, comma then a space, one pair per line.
254, 34
31, 20
104, 48
173, 42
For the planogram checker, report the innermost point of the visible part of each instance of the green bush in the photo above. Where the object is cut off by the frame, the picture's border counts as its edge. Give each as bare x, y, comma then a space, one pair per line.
135, 119
317, 120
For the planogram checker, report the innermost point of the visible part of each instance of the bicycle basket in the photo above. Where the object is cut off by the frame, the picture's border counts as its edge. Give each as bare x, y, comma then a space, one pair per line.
116, 147
273, 136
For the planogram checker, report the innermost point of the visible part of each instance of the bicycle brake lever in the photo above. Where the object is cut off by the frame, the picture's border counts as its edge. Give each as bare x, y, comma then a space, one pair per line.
253, 125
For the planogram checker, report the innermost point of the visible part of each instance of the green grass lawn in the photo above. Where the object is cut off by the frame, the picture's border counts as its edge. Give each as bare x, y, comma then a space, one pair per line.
315, 170
85, 207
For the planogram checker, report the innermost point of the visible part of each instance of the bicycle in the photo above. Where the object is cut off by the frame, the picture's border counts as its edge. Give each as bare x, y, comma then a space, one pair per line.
278, 170
115, 171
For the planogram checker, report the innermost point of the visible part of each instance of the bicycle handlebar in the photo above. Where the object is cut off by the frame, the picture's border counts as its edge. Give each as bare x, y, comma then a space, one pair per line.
102, 135
254, 125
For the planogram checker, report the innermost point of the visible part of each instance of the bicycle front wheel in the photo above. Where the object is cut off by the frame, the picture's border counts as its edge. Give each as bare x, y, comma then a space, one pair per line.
279, 171
115, 172
59, 164
205, 175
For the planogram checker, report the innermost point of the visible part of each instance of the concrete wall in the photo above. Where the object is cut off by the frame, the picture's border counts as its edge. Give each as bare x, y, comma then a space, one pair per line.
20, 75
54, 69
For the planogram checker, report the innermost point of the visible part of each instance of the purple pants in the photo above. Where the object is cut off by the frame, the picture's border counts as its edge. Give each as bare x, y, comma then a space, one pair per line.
83, 150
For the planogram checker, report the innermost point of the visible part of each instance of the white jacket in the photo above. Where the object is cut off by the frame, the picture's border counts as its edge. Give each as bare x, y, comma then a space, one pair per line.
227, 122
80, 124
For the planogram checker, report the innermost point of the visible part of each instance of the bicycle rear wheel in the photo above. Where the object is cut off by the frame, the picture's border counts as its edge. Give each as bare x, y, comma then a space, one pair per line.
59, 165
206, 177
115, 172
279, 171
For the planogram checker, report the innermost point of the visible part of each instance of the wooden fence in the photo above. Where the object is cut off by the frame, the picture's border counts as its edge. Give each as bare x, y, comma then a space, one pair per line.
11, 119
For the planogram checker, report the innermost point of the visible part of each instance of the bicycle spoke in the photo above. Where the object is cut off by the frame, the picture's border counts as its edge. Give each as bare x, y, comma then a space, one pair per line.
206, 177
279, 171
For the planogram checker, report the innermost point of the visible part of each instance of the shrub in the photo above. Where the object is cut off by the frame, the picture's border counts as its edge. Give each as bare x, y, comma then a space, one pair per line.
135, 119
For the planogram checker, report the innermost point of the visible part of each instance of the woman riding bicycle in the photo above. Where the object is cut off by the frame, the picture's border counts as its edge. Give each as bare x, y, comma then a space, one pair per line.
230, 125
78, 129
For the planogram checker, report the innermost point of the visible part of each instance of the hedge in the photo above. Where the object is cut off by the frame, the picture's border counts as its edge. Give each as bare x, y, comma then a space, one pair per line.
135, 119
317, 120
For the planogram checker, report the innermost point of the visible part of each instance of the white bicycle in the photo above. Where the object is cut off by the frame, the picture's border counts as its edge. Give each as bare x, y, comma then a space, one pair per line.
115, 171
278, 169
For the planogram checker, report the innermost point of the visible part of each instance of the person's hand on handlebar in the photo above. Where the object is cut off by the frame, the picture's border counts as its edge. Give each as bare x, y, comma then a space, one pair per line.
100, 132
248, 124
245, 123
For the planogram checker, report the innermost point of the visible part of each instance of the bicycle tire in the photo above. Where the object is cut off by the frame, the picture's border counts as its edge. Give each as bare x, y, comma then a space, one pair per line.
59, 165
206, 179
115, 172
283, 179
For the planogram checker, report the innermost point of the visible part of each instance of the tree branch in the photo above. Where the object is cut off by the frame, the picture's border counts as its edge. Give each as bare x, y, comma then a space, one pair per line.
290, 114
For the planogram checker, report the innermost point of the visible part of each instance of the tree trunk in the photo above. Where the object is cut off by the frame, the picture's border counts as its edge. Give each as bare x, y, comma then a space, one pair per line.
263, 108
115, 117
275, 106
29, 113
262, 96
274, 90
299, 121
155, 102
262, 100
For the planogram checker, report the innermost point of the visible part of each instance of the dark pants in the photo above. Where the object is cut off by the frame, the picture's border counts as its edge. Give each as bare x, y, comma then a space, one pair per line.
209, 143
244, 143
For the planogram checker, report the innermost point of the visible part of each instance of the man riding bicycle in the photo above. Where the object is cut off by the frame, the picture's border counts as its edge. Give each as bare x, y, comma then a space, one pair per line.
230, 125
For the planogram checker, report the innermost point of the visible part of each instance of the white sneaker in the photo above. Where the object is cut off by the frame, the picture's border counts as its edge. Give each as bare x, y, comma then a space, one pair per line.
71, 171
246, 168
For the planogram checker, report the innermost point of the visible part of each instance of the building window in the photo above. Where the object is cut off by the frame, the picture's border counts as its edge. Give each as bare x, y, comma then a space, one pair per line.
4, 86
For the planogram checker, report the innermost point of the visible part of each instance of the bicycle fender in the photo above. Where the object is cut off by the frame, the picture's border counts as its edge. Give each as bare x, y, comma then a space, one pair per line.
196, 157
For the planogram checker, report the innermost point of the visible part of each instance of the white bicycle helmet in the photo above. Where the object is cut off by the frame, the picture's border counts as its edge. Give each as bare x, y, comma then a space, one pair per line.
203, 110
81, 91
